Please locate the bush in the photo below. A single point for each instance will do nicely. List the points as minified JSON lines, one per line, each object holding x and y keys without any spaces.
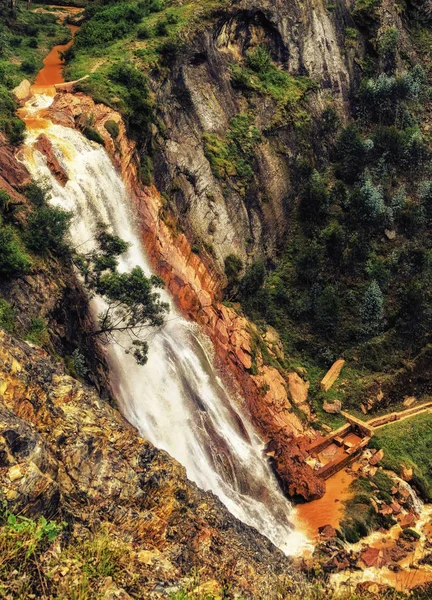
{"x":253,"y":279}
{"x":146,"y":170}
{"x":37,"y":332}
{"x":47,"y":227}
{"x":112,"y":128}
{"x":7,"y":316}
{"x":93,"y":135}
{"x":259,"y":59}
{"x":233,"y":268}
{"x":36,"y":193}
{"x":29,"y":66}
{"x":13,"y":260}
{"x":161,"y":28}
{"x":143,"y":32}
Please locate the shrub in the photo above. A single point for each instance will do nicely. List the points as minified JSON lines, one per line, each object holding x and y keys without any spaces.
{"x":146,"y":170}
{"x":13,"y":259}
{"x":7,"y":316}
{"x":112,"y":128}
{"x":33,"y":43}
{"x":233,"y":268}
{"x":372,"y":310}
{"x":143,"y":32}
{"x":259,"y":59}
{"x":161,"y":28}
{"x":36,"y":193}
{"x":253,"y":279}
{"x":47,"y":227}
{"x":37,"y":332}
{"x":29,"y":66}
{"x":93,"y":135}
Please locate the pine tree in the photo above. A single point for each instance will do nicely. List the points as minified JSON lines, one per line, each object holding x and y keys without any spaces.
{"x":372,"y":311}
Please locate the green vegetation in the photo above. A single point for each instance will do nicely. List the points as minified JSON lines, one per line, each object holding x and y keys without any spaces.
{"x":92,"y":135}
{"x":233,"y":156}
{"x":37,"y":332}
{"x":7,"y":316}
{"x":46,"y":229}
{"x":260,"y":75}
{"x":360,"y":517}
{"x":409,"y":443}
{"x":132,"y":305}
{"x":112,"y":128}
{"x":119,"y":43}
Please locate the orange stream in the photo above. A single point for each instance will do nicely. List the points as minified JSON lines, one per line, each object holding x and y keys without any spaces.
{"x":52,"y":71}
{"x":311,"y":516}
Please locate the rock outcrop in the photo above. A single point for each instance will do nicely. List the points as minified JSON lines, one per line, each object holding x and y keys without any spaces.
{"x":66,"y":453}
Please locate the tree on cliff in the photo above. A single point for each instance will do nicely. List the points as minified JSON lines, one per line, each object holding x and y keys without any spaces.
{"x":131,"y":305}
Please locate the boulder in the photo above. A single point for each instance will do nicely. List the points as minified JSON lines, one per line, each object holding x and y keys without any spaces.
{"x":406,"y":473}
{"x":409,"y":401}
{"x":327,"y":531}
{"x":374,"y":557}
{"x":377,"y":457}
{"x":333,"y":408}
{"x":297,"y":389}
{"x":22,"y":92}
{"x":331,"y":375}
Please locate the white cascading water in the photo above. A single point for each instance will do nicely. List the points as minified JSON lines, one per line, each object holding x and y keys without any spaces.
{"x":177,"y":400}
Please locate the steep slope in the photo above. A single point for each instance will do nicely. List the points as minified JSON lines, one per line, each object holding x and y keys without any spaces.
{"x":67,"y":454}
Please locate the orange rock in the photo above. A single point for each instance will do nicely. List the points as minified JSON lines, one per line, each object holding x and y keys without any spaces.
{"x":331,"y":375}
{"x":297,"y":389}
{"x":377,"y":457}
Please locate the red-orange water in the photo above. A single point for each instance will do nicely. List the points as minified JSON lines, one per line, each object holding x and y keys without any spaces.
{"x":52,"y":71}
{"x":311,"y":516}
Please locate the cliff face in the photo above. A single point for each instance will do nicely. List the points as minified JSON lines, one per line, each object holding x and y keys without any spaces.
{"x":271,"y":393}
{"x":199,"y":97}
{"x":66,"y":453}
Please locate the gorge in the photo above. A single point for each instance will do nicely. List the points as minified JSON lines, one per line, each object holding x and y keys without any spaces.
{"x":270,"y":163}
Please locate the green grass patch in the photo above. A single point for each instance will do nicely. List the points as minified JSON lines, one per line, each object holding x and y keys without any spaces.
{"x":409,"y":443}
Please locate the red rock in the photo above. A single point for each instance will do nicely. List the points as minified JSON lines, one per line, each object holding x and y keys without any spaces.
{"x":396,"y":508}
{"x":407,"y":520}
{"x":374,"y":557}
{"x":327,"y":531}
{"x":44,"y":146}
{"x":377,"y":457}
{"x":11,"y":170}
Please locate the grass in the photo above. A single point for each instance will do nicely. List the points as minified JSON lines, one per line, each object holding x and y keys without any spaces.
{"x":409,"y":443}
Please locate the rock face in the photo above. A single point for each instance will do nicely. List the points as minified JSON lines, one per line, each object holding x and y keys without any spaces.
{"x":303,"y":39}
{"x":66,"y":453}
{"x":45,"y":147}
{"x":196,"y":285}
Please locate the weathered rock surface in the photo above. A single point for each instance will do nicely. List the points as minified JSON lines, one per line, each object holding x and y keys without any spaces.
{"x":22,"y":91}
{"x":332,"y":374}
{"x":45,"y":147}
{"x":66,"y":453}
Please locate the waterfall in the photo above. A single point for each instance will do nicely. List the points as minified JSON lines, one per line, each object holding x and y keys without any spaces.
{"x":177,"y":400}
